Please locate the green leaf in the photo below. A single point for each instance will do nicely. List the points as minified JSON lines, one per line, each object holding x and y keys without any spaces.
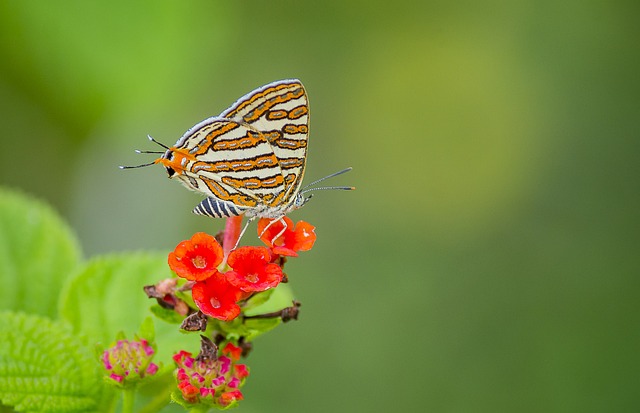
{"x":257,"y":300}
{"x":106,"y":297}
{"x":281,"y":297}
{"x":46,"y":367}
{"x":257,"y":326}
{"x":166,"y":315}
{"x":38,"y":253}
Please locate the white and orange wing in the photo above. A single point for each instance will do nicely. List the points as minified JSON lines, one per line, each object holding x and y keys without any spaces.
{"x":251,"y":157}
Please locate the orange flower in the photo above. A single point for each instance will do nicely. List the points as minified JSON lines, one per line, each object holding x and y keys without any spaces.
{"x":232,"y":351}
{"x":196,"y":259}
{"x":290,"y":240}
{"x":217,"y":298}
{"x":252,"y":269}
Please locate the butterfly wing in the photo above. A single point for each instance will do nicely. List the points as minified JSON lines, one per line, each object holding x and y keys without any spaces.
{"x":251,"y":157}
{"x":228,"y":161}
{"x":280,"y":111}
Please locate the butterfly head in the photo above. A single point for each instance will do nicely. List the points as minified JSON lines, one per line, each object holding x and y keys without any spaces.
{"x":300,"y":200}
{"x":172,"y":163}
{"x":174,"y":160}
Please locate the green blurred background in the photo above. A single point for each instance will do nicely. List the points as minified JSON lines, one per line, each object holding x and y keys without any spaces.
{"x":488,"y":259}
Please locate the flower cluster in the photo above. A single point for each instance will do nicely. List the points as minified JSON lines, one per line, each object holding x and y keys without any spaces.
{"x":129,"y":360}
{"x":211,"y":378}
{"x":221,"y":279}
{"x":248,"y":270}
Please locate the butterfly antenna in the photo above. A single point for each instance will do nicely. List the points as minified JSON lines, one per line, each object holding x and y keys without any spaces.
{"x":139,"y":151}
{"x":136,"y":166}
{"x":324,"y":188}
{"x":327,"y":177}
{"x":159,"y":143}
{"x":158,"y":152}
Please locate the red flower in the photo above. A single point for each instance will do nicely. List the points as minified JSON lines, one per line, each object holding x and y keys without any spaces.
{"x":252,"y":269}
{"x":217,"y":298}
{"x":227,"y":398}
{"x":300,"y":238}
{"x":241,"y":371}
{"x":233,"y":351}
{"x":196,"y":259}
{"x":189,"y":391}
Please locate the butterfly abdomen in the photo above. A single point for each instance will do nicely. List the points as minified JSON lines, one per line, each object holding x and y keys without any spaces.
{"x":216,"y":208}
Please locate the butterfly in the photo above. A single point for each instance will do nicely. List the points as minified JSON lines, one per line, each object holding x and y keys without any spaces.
{"x":251,"y":158}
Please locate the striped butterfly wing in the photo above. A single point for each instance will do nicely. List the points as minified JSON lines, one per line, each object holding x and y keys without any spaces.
{"x":280,"y":111}
{"x":251,"y":158}
{"x":230,"y":163}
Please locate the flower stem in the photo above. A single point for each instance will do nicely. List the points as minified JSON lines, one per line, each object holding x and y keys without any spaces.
{"x":232,"y":229}
{"x":128,"y":397}
{"x":157,"y":403}
{"x":287,"y":314}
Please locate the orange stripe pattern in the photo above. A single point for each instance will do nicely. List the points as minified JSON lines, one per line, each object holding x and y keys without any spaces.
{"x":251,"y":158}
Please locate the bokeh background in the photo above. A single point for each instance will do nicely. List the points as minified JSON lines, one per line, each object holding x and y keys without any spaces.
{"x":488,"y":260}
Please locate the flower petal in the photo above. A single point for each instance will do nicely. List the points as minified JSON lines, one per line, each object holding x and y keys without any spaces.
{"x":217,"y":298}
{"x":304,"y":236}
{"x":252,"y":270}
{"x":196,"y":259}
{"x":289,"y":239}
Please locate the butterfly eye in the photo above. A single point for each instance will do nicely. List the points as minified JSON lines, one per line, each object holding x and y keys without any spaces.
{"x":170,"y":171}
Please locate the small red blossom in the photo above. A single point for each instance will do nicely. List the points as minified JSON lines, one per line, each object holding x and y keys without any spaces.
{"x":213,"y":380}
{"x":217,"y":298}
{"x":189,"y":391}
{"x":241,"y":371}
{"x":252,"y":269}
{"x":230,"y":397}
{"x":232,"y":351}
{"x":291,"y":239}
{"x":198,"y":258}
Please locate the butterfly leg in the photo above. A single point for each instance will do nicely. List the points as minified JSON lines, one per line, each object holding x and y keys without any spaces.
{"x":243,"y":231}
{"x":273,"y":221}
